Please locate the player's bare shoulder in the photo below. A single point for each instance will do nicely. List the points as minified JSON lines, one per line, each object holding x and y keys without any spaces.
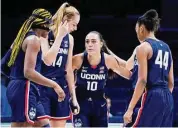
{"x":77,"y":60}
{"x":145,"y":47}
{"x":108,"y":57}
{"x":32,"y":40}
{"x":108,"y":60}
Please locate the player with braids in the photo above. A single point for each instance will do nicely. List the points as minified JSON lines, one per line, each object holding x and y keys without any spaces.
{"x":25,"y":64}
{"x":38,"y":18}
{"x":59,"y":64}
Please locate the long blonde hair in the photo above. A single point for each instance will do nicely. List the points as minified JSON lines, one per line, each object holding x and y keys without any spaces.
{"x":64,"y":10}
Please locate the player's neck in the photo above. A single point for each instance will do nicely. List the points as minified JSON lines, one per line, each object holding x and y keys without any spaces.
{"x":94,"y":59}
{"x":151,"y":35}
{"x":38,"y":32}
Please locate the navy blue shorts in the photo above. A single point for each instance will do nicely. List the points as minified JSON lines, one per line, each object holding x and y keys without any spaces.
{"x":54,"y":109}
{"x":23,"y":97}
{"x":156,"y":109}
{"x":92,"y":114}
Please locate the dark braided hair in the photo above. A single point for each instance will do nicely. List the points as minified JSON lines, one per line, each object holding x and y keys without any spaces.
{"x":38,"y":18}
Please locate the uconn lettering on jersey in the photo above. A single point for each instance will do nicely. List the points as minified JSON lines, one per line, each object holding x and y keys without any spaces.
{"x":93,"y":76}
{"x":63,"y":51}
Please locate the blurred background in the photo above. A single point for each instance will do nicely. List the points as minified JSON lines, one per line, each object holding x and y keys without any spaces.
{"x":115,"y":20}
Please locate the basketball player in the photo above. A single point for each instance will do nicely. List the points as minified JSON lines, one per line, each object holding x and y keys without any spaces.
{"x":25,"y":64}
{"x":155,"y":75}
{"x":59,"y":67}
{"x":92,"y":71}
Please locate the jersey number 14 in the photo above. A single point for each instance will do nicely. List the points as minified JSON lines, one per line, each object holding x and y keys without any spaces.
{"x":58,"y":62}
{"x":162,"y":60}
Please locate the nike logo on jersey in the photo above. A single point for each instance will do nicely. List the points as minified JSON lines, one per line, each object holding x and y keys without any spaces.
{"x":84,"y":67}
{"x":93,"y":76}
{"x":103,"y":105}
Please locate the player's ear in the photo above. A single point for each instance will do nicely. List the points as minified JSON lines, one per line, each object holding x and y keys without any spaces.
{"x":142,"y":27}
{"x":101,"y":43}
{"x":64,"y":19}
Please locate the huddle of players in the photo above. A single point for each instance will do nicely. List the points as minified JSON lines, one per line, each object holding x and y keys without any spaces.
{"x":43,"y":91}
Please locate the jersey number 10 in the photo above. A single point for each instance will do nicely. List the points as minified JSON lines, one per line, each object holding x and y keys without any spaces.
{"x":162,"y":61}
{"x":92,"y":85}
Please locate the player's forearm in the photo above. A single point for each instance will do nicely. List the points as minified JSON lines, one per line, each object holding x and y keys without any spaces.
{"x":130,"y":64}
{"x":125,"y":73}
{"x":50,"y":56}
{"x":139,"y":89}
{"x":119,"y":60}
{"x":70,"y":81}
{"x":36,"y":77}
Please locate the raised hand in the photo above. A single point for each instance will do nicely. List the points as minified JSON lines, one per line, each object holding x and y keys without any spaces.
{"x":63,"y":29}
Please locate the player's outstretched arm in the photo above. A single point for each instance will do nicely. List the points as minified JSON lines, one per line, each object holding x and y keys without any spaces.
{"x":114,"y":65}
{"x":121,"y":61}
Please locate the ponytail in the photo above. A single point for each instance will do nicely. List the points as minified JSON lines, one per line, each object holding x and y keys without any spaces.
{"x":57,"y":18}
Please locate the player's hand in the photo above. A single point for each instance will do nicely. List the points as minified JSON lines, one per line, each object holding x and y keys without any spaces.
{"x":77,"y":110}
{"x":63,"y":29}
{"x":74,"y":106}
{"x":128,"y":116}
{"x":60,"y":92}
